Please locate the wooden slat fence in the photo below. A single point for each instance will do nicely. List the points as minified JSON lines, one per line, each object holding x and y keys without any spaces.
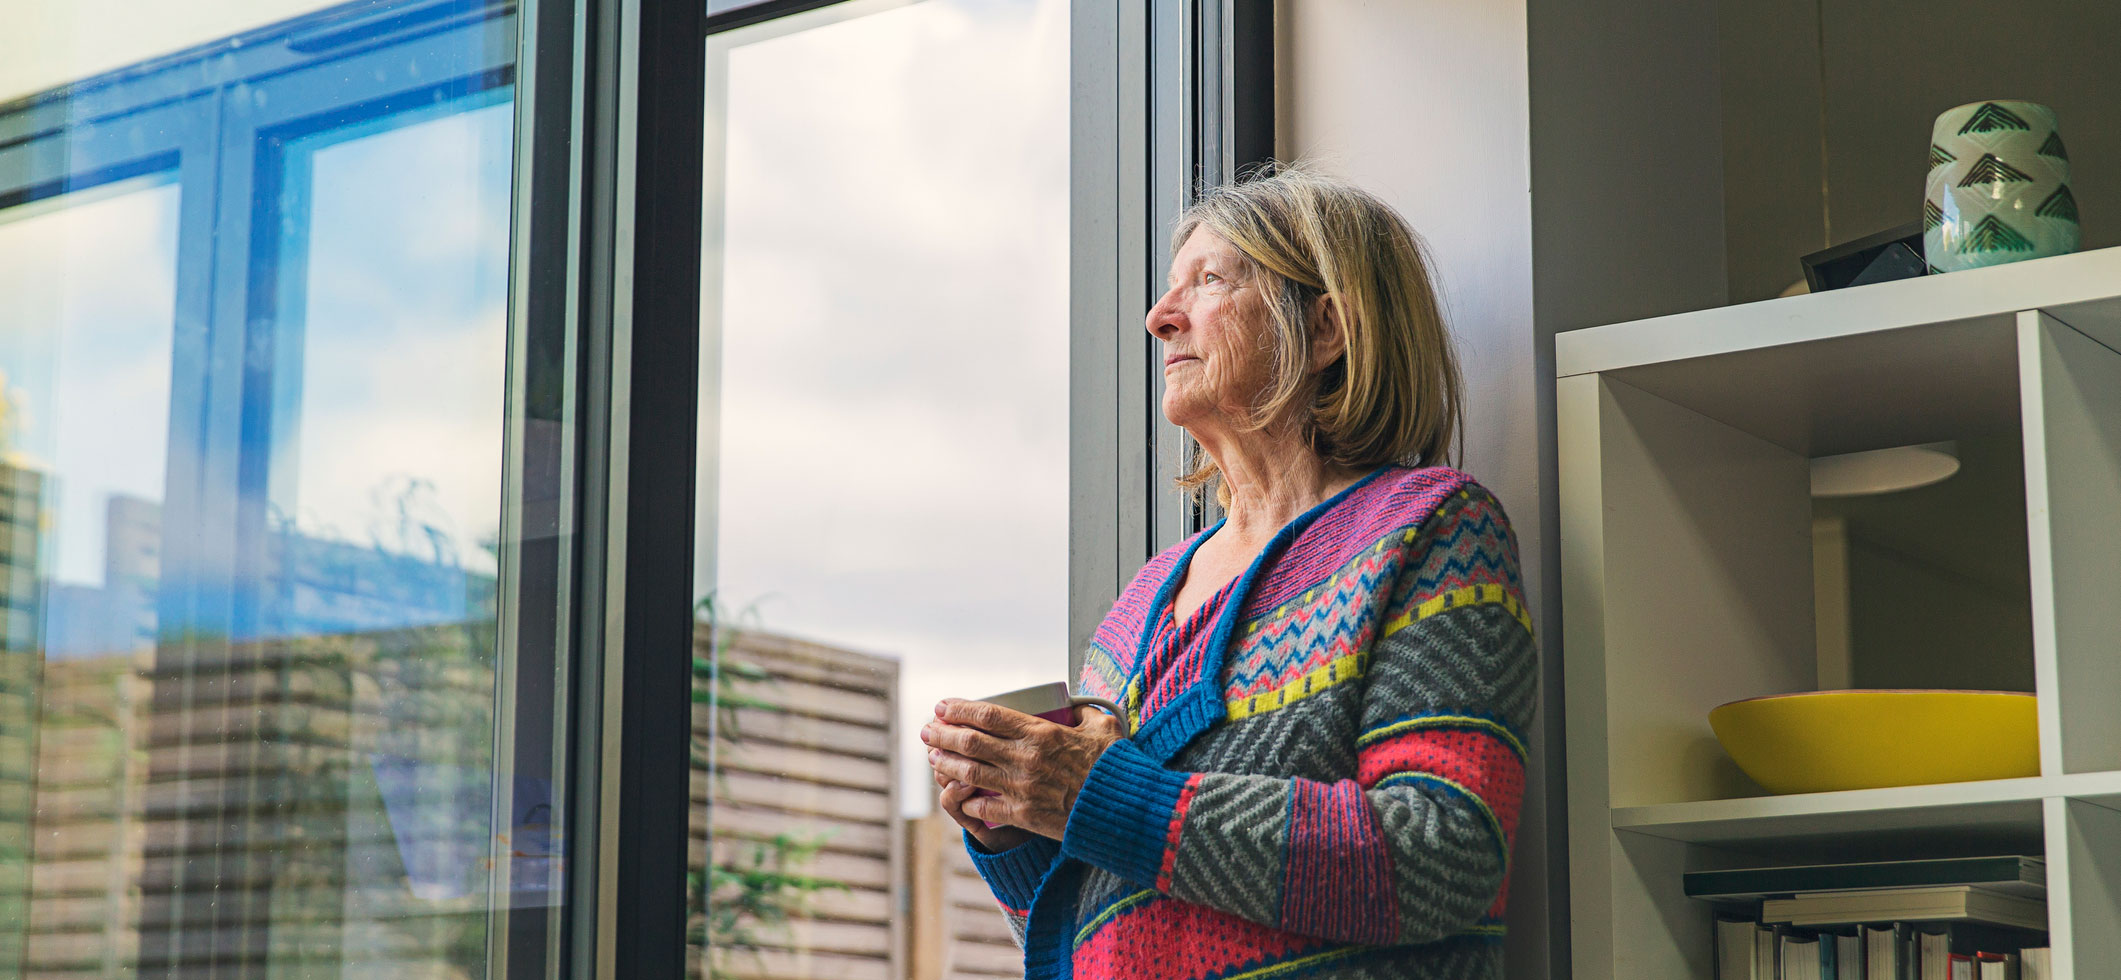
{"x":804,"y":761}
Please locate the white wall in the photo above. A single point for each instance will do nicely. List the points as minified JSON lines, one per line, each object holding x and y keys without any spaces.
{"x":1424,"y":103}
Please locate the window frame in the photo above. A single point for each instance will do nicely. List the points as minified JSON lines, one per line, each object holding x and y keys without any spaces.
{"x":1171,"y":96}
{"x":610,"y":123}
{"x":595,"y":609}
{"x":200,"y":114}
{"x":759,"y":12}
{"x":1168,"y":96}
{"x":47,"y":159}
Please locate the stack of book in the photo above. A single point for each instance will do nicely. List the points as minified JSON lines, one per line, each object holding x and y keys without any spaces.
{"x":1944,"y":919}
{"x":1750,"y":950}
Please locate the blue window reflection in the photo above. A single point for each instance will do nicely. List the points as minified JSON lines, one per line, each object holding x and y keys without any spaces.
{"x":90,"y":280}
{"x":253,"y":349}
{"x":383,"y":494}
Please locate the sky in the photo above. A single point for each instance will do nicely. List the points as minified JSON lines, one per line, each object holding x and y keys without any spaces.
{"x":893,"y":384}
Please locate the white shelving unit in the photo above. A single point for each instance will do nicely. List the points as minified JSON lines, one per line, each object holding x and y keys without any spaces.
{"x":1687,"y":582}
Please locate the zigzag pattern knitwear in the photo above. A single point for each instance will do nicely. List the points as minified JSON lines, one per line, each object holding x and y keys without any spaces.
{"x":1326,"y":760}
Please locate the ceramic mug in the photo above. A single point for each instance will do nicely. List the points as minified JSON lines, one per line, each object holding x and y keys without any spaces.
{"x":1051,"y":702}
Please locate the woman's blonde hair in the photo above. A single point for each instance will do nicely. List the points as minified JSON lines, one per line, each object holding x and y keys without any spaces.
{"x":1393,"y":396}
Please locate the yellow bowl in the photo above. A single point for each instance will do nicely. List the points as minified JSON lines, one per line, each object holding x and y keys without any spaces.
{"x":1818,"y":741}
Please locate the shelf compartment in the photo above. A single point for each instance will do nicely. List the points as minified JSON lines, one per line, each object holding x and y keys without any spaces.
{"x":1687,"y":547}
{"x":1689,"y":579}
{"x":1657,"y":931}
{"x":1864,"y":390}
{"x":1649,"y":849}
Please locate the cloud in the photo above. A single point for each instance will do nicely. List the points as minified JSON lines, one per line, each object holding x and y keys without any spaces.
{"x":402,"y":330}
{"x":87,"y":303}
{"x":427,"y":407}
{"x":893,"y":345}
{"x":400,"y":336}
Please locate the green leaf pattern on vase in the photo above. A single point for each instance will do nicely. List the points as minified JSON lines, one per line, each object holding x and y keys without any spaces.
{"x":1998,"y":187}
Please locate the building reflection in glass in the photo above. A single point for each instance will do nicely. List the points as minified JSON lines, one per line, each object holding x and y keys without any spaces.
{"x":249,"y":498}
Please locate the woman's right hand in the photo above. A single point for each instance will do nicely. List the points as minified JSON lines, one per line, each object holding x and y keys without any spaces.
{"x":996,"y":839}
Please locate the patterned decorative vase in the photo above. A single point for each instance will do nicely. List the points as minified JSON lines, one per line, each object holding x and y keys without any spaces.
{"x":1998,"y":188}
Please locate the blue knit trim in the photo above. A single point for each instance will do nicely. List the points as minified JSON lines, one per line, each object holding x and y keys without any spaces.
{"x":1047,"y":952}
{"x":1200,"y":705}
{"x":1050,"y":928}
{"x":1193,"y":711}
{"x":1123,"y":813}
{"x":1014,"y":874}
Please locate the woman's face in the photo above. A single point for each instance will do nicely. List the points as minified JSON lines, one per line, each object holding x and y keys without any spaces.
{"x":1213,"y":324}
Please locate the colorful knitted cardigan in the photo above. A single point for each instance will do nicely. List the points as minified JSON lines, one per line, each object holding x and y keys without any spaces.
{"x":1326,"y":761}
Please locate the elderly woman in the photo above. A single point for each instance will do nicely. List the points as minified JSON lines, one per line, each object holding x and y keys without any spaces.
{"x":1327,"y":692}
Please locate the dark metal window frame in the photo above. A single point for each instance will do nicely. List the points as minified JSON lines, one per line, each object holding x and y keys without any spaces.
{"x":1171,"y":96}
{"x":761,"y":12}
{"x":607,"y":262}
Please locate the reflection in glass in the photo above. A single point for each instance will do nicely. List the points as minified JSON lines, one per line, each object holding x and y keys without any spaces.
{"x":253,"y":341}
{"x":365,"y":621}
{"x":397,"y":305}
{"x":85,"y":342}
{"x":883,"y":467}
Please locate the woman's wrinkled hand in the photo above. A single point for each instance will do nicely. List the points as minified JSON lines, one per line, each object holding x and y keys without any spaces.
{"x":995,"y":839}
{"x":1034,"y":767}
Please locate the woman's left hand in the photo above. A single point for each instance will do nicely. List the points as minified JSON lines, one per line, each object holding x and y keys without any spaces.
{"x":1033,"y":765}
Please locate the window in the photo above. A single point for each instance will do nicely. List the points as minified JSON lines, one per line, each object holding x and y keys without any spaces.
{"x":352,"y":362}
{"x":90,"y":278}
{"x":253,"y":324}
{"x":884,"y":463}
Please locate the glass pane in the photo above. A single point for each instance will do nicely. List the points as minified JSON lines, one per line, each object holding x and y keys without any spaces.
{"x":253,"y":358}
{"x":392,"y":339}
{"x":85,"y":343}
{"x":375,"y":584}
{"x":884,"y":482}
